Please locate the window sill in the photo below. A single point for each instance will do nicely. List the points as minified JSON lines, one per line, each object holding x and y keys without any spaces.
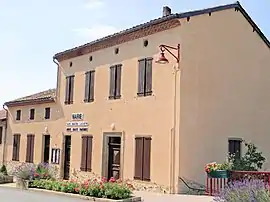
{"x":142,"y":180}
{"x":15,"y":160}
{"x":88,"y":100}
{"x":68,"y":102}
{"x":144,"y":94}
{"x":115,"y":97}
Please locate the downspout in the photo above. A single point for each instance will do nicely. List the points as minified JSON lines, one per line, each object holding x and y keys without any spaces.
{"x":5,"y":135}
{"x":57,"y":79}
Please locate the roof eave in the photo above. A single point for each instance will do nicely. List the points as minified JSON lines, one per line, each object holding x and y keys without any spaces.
{"x":29,"y":102}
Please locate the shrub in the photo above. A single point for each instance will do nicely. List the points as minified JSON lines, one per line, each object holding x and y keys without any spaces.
{"x":246,"y":190}
{"x":43,"y":171}
{"x":25,"y":171}
{"x":96,"y":188}
{"x":3,"y":170}
{"x":252,"y":160}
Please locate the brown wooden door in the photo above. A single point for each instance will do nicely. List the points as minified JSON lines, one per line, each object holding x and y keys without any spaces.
{"x":46,"y":154}
{"x":114,"y":157}
{"x":67,"y":157}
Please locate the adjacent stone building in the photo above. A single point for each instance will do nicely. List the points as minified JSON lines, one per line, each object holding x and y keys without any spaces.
{"x":3,"y":125}
{"x":117,"y":113}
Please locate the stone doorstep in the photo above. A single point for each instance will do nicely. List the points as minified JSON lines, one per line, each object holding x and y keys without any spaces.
{"x":133,"y":199}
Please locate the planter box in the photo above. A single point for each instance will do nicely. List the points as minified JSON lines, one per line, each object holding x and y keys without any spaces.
{"x":133,"y":199}
{"x":218,"y":174}
{"x":6,"y":179}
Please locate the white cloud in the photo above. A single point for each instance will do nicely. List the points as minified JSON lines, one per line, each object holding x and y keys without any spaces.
{"x":94,"y":4}
{"x":96,"y":32}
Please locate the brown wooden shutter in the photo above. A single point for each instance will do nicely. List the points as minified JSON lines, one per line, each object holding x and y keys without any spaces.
{"x":83,"y":154}
{"x":148,"y":87}
{"x":87,"y":87}
{"x":89,"y":153}
{"x":92,"y":86}
{"x":67,"y":90}
{"x":71,"y":88}
{"x":138,"y":158}
{"x":1,"y":134}
{"x":16,"y":147}
{"x":118,"y":81}
{"x":146,"y":158}
{"x":28,"y":149}
{"x":141,"y":77}
{"x":112,"y":82}
{"x":32,"y":147}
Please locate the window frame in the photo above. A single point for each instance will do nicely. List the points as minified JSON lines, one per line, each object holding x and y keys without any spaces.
{"x":115,"y":82}
{"x":234,"y":141}
{"x":47,"y":113}
{"x":89,"y":94}
{"x":18,"y":115}
{"x":32,"y":114}
{"x":145,"y":77}
{"x":16,"y":148}
{"x":86,"y":161}
{"x":69,"y":91}
{"x":30,"y":148}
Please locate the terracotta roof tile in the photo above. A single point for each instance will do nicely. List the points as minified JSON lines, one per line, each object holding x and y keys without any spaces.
{"x":47,"y":95}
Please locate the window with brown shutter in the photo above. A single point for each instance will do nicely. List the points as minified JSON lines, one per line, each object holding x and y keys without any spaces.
{"x":1,"y":134}
{"x":115,"y":81}
{"x":89,"y":86}
{"x":69,"y":89}
{"x":235,"y":147}
{"x":142,"y":158}
{"x":16,"y":147}
{"x":47,"y":113}
{"x":30,"y":148}
{"x":86,"y":155}
{"x":18,"y":115}
{"x":32,"y":114}
{"x":145,"y":77}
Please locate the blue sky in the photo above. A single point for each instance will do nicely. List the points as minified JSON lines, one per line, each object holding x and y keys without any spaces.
{"x":32,"y":31}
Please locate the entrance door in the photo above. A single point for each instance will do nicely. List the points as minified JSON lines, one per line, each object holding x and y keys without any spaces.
{"x":46,"y":146}
{"x":67,"y":157}
{"x":114,"y":157}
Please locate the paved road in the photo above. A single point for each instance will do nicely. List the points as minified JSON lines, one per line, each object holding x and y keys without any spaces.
{"x":14,"y":195}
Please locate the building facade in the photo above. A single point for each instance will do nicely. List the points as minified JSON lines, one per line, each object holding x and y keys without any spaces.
{"x":3,"y":125}
{"x":116,"y":113}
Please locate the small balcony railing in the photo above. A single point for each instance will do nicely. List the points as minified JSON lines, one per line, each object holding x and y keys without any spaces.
{"x":216,"y":185}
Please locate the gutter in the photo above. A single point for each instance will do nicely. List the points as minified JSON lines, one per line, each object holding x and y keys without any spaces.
{"x":5,"y":135}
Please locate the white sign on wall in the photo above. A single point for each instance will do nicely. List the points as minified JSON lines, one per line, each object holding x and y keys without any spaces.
{"x":77,"y":124}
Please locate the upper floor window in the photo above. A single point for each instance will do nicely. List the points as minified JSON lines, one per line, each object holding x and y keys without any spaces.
{"x":145,"y":77}
{"x":89,"y":86}
{"x":32,"y":114}
{"x":47,"y":113}
{"x":115,"y":82}
{"x":69,"y":89}
{"x":235,"y":147}
{"x":18,"y":115}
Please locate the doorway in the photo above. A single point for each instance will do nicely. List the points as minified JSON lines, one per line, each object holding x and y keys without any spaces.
{"x":67,"y":150}
{"x":46,"y":150}
{"x":114,"y":157}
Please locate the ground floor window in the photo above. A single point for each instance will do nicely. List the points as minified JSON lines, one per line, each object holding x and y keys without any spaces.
{"x":235,"y":147}
{"x":30,"y":148}
{"x":86,"y":155}
{"x":142,"y":158}
{"x":16,"y":147}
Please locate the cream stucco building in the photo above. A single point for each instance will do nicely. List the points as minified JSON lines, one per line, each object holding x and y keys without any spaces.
{"x":115,"y":112}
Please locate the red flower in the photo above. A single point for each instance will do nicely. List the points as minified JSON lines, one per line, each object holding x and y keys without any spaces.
{"x":36,"y":174}
{"x":101,"y":187}
{"x":104,"y":179}
{"x":112,"y":180}
{"x":77,"y":190}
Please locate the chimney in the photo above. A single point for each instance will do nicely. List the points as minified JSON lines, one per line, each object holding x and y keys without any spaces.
{"x":166,"y":11}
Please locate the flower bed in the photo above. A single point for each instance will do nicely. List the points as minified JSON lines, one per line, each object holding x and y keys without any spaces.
{"x":111,"y":189}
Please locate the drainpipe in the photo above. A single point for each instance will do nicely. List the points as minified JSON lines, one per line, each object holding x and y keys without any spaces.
{"x":5,"y":135}
{"x":57,"y":79}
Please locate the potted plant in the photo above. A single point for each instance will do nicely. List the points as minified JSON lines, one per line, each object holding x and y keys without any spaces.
{"x":215,"y":170}
{"x":23,"y":174}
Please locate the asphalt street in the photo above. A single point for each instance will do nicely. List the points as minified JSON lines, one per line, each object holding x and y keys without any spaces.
{"x":15,"y":195}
